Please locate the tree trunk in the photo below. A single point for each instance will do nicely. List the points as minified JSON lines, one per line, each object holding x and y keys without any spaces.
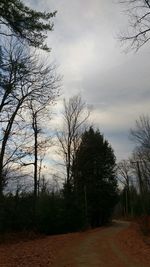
{"x":4,"y":143}
{"x":35,"y":157}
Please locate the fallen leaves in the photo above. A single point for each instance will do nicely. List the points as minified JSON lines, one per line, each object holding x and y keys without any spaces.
{"x":135,"y":243}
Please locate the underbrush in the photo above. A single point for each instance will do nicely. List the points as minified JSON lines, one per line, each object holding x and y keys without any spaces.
{"x":15,"y":237}
{"x":144,"y":223}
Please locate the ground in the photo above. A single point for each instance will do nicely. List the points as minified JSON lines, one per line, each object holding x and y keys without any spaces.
{"x":118,"y":245}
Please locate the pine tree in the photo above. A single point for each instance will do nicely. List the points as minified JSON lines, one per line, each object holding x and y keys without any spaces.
{"x":17,"y":19}
{"x":94,"y":177}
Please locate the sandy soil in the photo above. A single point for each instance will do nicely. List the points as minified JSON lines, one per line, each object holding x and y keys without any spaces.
{"x":119,"y":245}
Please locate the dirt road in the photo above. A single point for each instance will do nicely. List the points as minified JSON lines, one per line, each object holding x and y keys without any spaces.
{"x":103,"y":247}
{"x":98,"y":248}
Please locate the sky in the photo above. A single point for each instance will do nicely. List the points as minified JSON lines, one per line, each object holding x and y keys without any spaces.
{"x":92,"y":62}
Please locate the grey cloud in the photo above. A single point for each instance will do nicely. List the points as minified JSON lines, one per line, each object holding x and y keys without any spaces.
{"x":92,"y":62}
{"x":129,"y":82}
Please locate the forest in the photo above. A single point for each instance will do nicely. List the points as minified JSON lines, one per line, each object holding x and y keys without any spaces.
{"x":93,"y":187}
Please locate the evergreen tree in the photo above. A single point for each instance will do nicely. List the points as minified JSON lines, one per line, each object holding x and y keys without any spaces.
{"x":94,"y":178}
{"x":25,"y":23}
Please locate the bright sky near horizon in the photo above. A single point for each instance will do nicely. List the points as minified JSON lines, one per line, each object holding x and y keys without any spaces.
{"x":85,"y":47}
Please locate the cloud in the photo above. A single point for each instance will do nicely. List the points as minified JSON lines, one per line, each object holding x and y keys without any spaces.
{"x":91,"y":61}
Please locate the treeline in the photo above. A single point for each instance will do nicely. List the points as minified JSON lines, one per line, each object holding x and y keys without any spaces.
{"x":86,"y":200}
{"x":28,"y":89}
{"x":134,"y":173}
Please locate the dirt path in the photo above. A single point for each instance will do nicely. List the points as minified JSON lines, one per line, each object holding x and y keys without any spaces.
{"x":102,"y":247}
{"x":98,"y":248}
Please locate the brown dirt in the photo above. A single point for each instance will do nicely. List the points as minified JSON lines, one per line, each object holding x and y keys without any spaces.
{"x":135,"y":243}
{"x":114,"y":246}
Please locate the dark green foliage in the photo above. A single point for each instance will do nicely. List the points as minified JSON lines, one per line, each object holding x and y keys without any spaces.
{"x":87,"y":199}
{"x":16,"y":213}
{"x":19,"y":213}
{"x":25,"y":23}
{"x":137,"y":205}
{"x":50,"y":214}
{"x":94,"y":177}
{"x":74,"y":216}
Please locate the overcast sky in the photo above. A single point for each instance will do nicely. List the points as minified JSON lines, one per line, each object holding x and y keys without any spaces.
{"x":85,"y":47}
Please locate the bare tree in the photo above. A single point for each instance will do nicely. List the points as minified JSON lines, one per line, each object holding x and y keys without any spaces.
{"x":74,"y":117}
{"x":24,"y":79}
{"x":124,"y":171}
{"x":141,"y":160}
{"x":138,"y":32}
{"x":141,"y":133}
{"x":41,"y":140}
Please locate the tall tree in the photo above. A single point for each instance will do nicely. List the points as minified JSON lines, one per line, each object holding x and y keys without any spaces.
{"x":124,"y":171}
{"x":23,"y":79}
{"x":38,"y":113}
{"x":17,"y":19}
{"x":140,"y":134}
{"x":94,"y":177}
{"x":75,"y":115}
{"x":138,"y":32}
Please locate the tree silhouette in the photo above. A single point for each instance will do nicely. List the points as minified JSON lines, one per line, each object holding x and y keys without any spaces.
{"x":94,"y":177}
{"x":17,"y":19}
{"x":138,"y":32}
{"x":23,"y":78}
